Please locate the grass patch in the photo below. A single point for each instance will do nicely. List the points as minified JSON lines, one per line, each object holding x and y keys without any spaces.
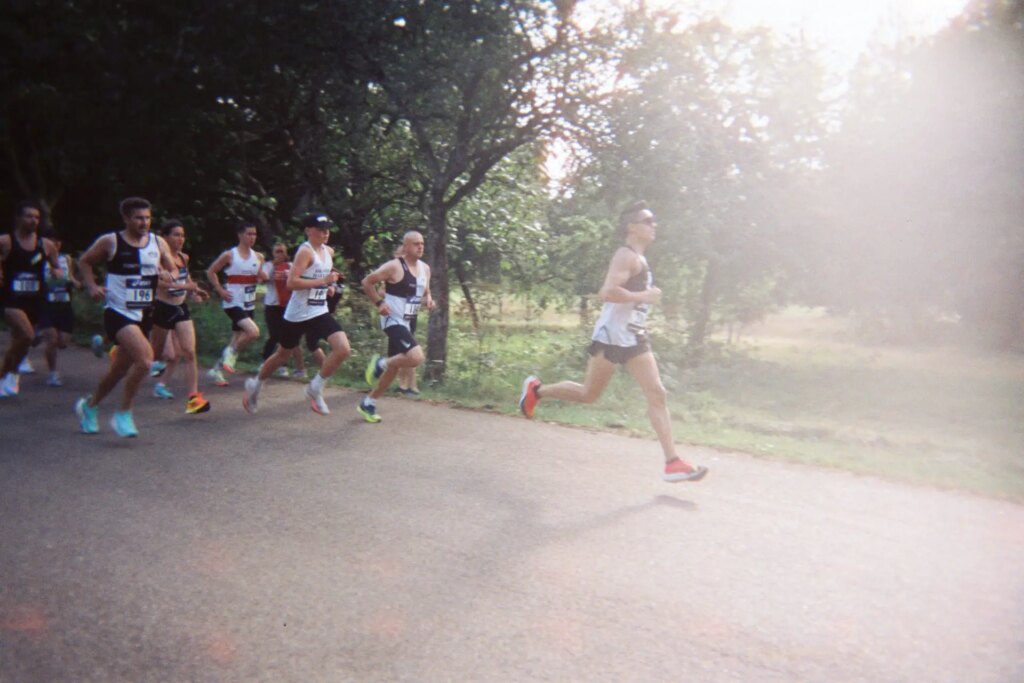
{"x":939,"y":417}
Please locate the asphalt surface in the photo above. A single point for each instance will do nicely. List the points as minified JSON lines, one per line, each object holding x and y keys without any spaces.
{"x":449,"y":545}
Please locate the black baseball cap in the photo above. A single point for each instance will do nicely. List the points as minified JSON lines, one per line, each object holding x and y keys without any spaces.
{"x":317,"y":220}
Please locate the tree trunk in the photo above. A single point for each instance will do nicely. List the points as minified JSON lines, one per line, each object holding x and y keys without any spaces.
{"x":437,"y":257}
{"x":708,"y":292}
{"x":460,"y":273}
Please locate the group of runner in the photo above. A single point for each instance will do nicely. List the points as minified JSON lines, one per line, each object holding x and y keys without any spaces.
{"x":146,"y":315}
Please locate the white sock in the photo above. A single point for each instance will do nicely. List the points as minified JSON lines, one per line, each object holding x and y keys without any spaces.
{"x":369,"y":401}
{"x":317,"y":383}
{"x":382,"y":363}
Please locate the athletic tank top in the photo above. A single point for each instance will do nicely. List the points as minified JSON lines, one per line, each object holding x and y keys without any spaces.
{"x":23,"y":272}
{"x":174,"y":296}
{"x":625,"y":324}
{"x":242,"y":279}
{"x":278,"y":293}
{"x":306,"y":304}
{"x":131,"y":277}
{"x":58,"y":290}
{"x":404,"y":297}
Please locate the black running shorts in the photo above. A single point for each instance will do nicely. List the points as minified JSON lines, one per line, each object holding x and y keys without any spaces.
{"x":113,"y":322}
{"x":320,"y":327}
{"x":619,"y":355}
{"x":400,"y":339}
{"x":167,"y":315}
{"x":237,"y":315}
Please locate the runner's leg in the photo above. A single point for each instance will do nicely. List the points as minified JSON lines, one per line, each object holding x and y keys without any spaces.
{"x":410,"y":359}
{"x":22,"y":332}
{"x":599,"y":373}
{"x":185,"y":338}
{"x":644,"y":370}
{"x":137,"y":351}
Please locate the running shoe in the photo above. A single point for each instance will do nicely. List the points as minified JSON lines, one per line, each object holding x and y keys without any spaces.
{"x":529,"y":399}
{"x":369,"y":412}
{"x":97,"y":345}
{"x":88,"y":416}
{"x":11,"y":384}
{"x":25,"y":367}
{"x":316,"y":401}
{"x":282,"y":372}
{"x":217,"y":377}
{"x":124,"y":424}
{"x":407,"y":391}
{"x":228,"y":360}
{"x":54,"y":380}
{"x":252,"y":395}
{"x":678,"y":469}
{"x":157,"y":369}
{"x":196,"y":404}
{"x":161,"y":391}
{"x":298,"y":374}
{"x":373,"y":370}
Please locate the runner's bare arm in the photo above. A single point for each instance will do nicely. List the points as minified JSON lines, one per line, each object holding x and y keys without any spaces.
{"x":303,"y":260}
{"x":167,"y":270}
{"x":428,"y":299}
{"x":75,"y":282}
{"x":50,"y":249}
{"x":222,"y":262}
{"x":624,"y":265}
{"x":100,"y":251}
{"x":386,"y":273}
{"x":261,"y":275}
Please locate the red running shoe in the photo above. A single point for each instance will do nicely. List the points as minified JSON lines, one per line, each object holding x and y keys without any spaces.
{"x":678,"y":469}
{"x":529,"y":400}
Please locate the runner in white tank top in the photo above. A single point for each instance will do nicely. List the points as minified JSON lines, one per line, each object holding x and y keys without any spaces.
{"x":620,"y":337}
{"x":312,"y":302}
{"x":311,"y":274}
{"x":406,"y":287}
{"x":243,"y":267}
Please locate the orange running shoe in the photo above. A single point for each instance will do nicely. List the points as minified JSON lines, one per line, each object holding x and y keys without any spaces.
{"x":529,"y":400}
{"x":196,"y":404}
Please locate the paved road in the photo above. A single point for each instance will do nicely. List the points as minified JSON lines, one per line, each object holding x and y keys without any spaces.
{"x":448,"y":545}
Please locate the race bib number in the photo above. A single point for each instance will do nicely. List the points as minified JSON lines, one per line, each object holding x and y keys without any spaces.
{"x":412,"y":307}
{"x":249,"y":297}
{"x":25,"y":284}
{"x":59,"y":296}
{"x":317,"y":296}
{"x":138,"y":293}
{"x":638,"y":319}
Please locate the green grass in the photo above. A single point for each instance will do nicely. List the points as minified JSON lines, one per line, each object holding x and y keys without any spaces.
{"x":798,"y":391}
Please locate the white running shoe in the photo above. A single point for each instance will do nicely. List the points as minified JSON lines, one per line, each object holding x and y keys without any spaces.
{"x":252,"y":395}
{"x":316,"y":401}
{"x":10,"y":385}
{"x":25,"y":368}
{"x":54,"y":380}
{"x":217,"y":376}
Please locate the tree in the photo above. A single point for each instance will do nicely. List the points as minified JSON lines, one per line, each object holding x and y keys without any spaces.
{"x":473,"y":82}
{"x":708,"y":124}
{"x":925,"y":177}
